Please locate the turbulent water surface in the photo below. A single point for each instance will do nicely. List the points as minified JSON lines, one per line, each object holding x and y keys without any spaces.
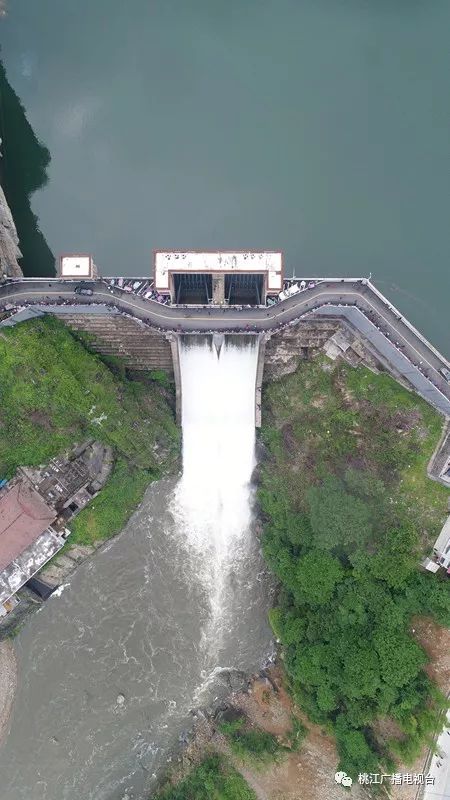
{"x":160,"y":615}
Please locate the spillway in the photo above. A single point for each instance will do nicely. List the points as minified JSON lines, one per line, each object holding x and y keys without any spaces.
{"x":212,"y":502}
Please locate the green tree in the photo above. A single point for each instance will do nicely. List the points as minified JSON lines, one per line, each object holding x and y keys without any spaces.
{"x":361,"y":672}
{"x":316,"y":577}
{"x":400,"y":657}
{"x":354,"y":750}
{"x":396,"y":559}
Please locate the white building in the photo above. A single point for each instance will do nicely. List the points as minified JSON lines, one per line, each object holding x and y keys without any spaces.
{"x":442,"y":545}
{"x":76,"y":266}
{"x":219,"y":277}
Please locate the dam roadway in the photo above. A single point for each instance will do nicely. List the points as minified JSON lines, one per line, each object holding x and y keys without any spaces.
{"x":356,"y":300}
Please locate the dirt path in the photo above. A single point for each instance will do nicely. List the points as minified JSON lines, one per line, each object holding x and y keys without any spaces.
{"x":8,"y":685}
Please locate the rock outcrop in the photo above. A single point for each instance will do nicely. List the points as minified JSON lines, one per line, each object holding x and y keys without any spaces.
{"x":9,"y":242}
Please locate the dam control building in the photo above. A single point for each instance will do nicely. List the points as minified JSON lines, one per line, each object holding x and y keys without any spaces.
{"x":234,"y":278}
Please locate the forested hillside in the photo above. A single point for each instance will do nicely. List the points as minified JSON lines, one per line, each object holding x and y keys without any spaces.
{"x":348,"y":511}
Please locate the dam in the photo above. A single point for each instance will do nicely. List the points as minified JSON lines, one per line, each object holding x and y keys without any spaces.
{"x":141,"y":321}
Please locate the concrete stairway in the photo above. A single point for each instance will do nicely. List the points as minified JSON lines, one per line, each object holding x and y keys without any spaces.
{"x":138,"y":346}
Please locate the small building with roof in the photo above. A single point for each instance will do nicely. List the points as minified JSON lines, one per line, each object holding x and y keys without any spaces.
{"x":35,"y":507}
{"x":76,"y":266}
{"x":27,"y":538}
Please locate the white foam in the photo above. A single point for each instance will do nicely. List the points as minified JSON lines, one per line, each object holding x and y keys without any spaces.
{"x":59,"y":590}
{"x":212,"y":502}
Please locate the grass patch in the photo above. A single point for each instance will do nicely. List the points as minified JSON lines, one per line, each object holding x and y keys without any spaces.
{"x":296,"y":735}
{"x":107,"y":514}
{"x":54,"y":393}
{"x":327,"y":418}
{"x":213,"y":779}
{"x":258,"y":746}
{"x":160,"y":376}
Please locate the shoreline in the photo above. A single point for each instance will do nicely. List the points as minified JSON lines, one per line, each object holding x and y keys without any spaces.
{"x":8,"y":686}
{"x":263,"y":700}
{"x":56,"y":573}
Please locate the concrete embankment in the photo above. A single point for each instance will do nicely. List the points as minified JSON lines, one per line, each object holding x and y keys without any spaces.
{"x":8,"y":685}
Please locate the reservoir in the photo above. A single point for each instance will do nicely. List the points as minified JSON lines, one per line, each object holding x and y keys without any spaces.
{"x":309,"y":126}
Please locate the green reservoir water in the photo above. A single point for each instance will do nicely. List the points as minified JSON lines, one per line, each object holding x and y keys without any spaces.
{"x":320,"y":127}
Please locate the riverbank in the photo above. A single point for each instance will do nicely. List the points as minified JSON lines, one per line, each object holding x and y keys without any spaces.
{"x":297,"y":769}
{"x":307,"y":772}
{"x":8,"y":686}
{"x":351,"y":448}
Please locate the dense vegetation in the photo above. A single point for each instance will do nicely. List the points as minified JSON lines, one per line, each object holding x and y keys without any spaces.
{"x":54,"y":393}
{"x":23,"y":171}
{"x":348,"y":511}
{"x":213,"y":779}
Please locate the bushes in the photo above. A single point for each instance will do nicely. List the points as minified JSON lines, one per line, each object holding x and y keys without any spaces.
{"x":258,"y":745}
{"x":339,"y":520}
{"x":249,"y":742}
{"x":213,"y":779}
{"x":110,"y":510}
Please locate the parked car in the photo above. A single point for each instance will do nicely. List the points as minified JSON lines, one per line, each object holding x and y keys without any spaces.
{"x":445,"y":373}
{"x":83,"y":289}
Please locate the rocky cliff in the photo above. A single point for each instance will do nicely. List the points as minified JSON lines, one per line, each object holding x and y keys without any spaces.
{"x":9,"y":242}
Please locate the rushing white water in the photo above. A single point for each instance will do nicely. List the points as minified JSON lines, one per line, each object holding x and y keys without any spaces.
{"x":213,"y":499}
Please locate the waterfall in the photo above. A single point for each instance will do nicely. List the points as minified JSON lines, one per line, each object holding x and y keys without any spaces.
{"x":213,"y":500}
